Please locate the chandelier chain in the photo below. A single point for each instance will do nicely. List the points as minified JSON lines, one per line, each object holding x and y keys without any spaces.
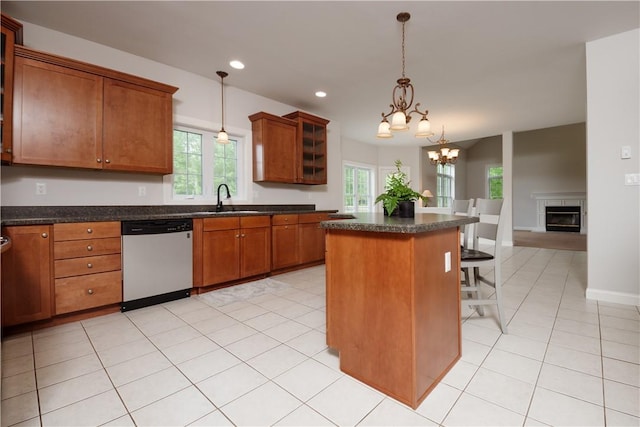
{"x":403,"y":50}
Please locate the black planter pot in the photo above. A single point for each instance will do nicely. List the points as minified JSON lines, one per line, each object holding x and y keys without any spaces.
{"x":406,"y":209}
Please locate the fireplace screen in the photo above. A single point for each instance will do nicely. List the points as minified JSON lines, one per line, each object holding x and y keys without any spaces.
{"x":563,"y":218}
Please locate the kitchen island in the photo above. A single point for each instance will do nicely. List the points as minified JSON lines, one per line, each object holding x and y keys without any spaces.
{"x":393,"y":300}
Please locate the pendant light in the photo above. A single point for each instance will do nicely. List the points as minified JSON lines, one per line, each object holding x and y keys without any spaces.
{"x":445,"y":155}
{"x":222,"y":138}
{"x":402,"y":98}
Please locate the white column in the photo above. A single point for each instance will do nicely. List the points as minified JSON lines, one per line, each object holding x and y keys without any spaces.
{"x":507,"y":187}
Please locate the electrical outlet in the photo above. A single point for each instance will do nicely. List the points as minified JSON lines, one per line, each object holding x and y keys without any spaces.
{"x":447,"y":262}
{"x":142,"y":191}
{"x":625,"y":152}
{"x":41,"y":189}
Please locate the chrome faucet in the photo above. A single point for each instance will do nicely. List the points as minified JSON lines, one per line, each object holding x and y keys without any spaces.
{"x":219,"y":204}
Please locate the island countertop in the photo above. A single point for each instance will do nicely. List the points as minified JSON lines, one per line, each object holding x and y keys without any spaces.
{"x":378,"y":222}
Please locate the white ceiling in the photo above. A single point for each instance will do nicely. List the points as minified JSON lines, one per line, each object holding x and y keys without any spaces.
{"x":480,"y":68}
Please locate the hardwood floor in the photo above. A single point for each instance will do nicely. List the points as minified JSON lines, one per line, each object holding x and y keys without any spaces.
{"x":551,"y":240}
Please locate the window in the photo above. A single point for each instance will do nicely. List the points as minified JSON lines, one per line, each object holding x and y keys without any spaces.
{"x":200,"y":165}
{"x":225,"y":169}
{"x":494,"y":182}
{"x":358,"y":188}
{"x":187,"y":163}
{"x":445,"y":185}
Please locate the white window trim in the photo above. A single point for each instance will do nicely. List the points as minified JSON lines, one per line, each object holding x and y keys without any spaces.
{"x":245,"y":154}
{"x":372,"y":168}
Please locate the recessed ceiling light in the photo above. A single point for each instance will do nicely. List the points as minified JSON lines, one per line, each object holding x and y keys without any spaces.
{"x":321,"y":94}
{"x":236,"y":64}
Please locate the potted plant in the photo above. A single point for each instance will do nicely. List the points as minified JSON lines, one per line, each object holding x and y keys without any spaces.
{"x":399,"y":198}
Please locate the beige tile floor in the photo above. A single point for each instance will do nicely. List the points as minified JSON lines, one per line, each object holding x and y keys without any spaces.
{"x":262,"y":360}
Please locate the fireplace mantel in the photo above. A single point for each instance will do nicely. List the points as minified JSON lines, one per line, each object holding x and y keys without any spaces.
{"x":559,"y":198}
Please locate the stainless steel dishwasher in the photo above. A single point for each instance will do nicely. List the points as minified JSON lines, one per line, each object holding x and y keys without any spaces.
{"x":157,"y":261}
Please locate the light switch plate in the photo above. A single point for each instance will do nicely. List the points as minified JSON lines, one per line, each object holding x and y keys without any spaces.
{"x":632,"y":179}
{"x":625,"y":152}
{"x":447,"y":262}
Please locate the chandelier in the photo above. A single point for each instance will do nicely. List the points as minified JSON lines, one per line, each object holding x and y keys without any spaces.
{"x":445,"y":155}
{"x":223,"y":138}
{"x":402,"y":101}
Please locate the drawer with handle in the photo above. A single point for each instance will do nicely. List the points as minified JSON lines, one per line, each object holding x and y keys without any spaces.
{"x":85,"y":230}
{"x":83,"y":292}
{"x":87,"y":265}
{"x":89,"y":247}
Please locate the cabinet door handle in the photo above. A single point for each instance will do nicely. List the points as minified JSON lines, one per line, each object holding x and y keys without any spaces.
{"x":89,"y":230}
{"x":99,"y":160}
{"x":89,"y":248}
{"x":44,"y":235}
{"x":107,"y":161}
{"x":89,"y":265}
{"x":237,"y":235}
{"x":242,"y":235}
{"x":90,"y":291}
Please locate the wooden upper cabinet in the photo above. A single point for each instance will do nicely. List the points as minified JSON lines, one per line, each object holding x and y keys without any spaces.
{"x":311,"y":144}
{"x":73,"y":114}
{"x":290,"y":149}
{"x":11,"y":35}
{"x":274,"y":148}
{"x":58,"y":114}
{"x":136,"y":118}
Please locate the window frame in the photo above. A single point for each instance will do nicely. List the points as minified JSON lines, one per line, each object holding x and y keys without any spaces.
{"x":209,"y":195}
{"x":372,"y":185}
{"x":443,"y":201}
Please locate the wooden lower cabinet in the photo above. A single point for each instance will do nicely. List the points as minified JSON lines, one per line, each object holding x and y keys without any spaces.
{"x":87,"y":266}
{"x":284,"y":241}
{"x":311,"y":237}
{"x":82,"y":292}
{"x":233,"y":248}
{"x":27,"y":275}
{"x":297,"y":239}
{"x":393,"y":310}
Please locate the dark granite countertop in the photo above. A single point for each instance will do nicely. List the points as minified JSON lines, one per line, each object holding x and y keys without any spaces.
{"x":32,"y":215}
{"x":377,"y":222}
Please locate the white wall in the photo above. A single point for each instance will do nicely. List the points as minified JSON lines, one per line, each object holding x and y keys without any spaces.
{"x":486,"y":152}
{"x":546,"y":161}
{"x":196,"y":103}
{"x":613,"y":98}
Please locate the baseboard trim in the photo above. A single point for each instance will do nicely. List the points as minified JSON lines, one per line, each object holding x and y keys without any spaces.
{"x":612,"y":296}
{"x":519,"y":228}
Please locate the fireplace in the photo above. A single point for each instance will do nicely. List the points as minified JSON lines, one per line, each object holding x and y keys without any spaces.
{"x":563,"y":218}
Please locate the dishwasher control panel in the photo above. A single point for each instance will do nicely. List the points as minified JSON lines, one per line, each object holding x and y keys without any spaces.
{"x":160,"y":226}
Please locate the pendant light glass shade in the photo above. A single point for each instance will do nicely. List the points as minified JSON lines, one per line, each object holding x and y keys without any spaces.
{"x":399,"y":121}
{"x":222,"y":138}
{"x":424,"y":128}
{"x":383,"y":130}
